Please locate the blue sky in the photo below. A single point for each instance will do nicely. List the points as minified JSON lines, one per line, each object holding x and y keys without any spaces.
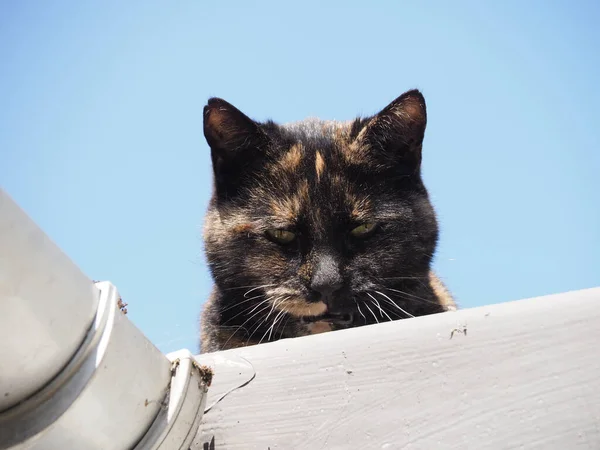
{"x":101,"y":129}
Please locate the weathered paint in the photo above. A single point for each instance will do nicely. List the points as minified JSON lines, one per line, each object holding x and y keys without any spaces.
{"x":526,"y":375}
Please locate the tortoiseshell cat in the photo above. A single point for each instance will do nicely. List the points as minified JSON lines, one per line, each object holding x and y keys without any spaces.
{"x":317,"y":225}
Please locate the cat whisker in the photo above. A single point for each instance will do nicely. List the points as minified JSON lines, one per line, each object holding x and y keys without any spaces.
{"x":253,"y":308}
{"x":264,"y":320}
{"x":276,"y":301}
{"x":382,"y":311}
{"x":394,"y":303}
{"x":242,"y":302}
{"x":374,"y":316}
{"x":283,"y":325}
{"x":258,"y":287}
{"x":405,"y":278}
{"x":266,"y":306}
{"x":378,"y":305}
{"x":272,"y":309}
{"x":260,"y":303}
{"x":408,"y":294}
{"x":247,"y":310}
{"x":249,"y":286}
{"x":359,"y":310}
{"x":233,"y":327}
{"x":245,"y":322}
{"x":270,"y":330}
{"x":254,"y":329}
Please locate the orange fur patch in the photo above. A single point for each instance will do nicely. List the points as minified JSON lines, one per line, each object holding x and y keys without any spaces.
{"x":444,"y":297}
{"x":360,"y":208}
{"x":358,"y":152}
{"x":286,"y":208}
{"x":243,"y":228}
{"x":292,"y":159}
{"x":299,"y":307}
{"x":319,"y":165}
{"x":318,"y":327}
{"x":305,"y":271}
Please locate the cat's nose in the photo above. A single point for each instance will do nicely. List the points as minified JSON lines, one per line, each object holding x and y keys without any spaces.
{"x":327,"y":279}
{"x":325,"y":291}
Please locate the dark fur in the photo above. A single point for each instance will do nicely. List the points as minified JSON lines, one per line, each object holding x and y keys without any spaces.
{"x":319,"y":180}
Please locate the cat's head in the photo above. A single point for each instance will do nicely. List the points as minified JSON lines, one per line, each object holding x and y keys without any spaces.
{"x":320,"y":219}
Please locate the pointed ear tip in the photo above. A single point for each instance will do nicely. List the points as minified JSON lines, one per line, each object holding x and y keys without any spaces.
{"x":415,"y":94}
{"x":216,"y":107}
{"x":215,"y":101}
{"x":213,"y":105}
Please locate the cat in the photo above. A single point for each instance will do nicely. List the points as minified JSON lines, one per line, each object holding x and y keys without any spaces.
{"x":317,"y":225}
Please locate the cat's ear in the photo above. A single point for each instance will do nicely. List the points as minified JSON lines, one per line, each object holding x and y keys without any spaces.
{"x":235,"y":140}
{"x":395,"y":134}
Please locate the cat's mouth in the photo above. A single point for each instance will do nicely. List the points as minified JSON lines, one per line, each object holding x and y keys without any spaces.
{"x":333,"y":318}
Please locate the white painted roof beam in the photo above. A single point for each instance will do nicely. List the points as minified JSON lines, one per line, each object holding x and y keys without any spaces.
{"x":526,"y":374}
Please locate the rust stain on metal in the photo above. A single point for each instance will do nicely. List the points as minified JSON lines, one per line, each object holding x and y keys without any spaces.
{"x":206,"y":374}
{"x":122,"y":306}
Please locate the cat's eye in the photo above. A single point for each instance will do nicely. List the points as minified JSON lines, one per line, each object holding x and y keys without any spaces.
{"x":364,"y":230}
{"x":281,"y":236}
